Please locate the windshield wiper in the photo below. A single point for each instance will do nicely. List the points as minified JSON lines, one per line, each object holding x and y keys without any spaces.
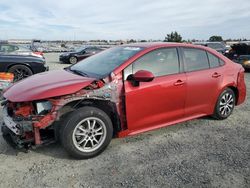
{"x":79,"y":72}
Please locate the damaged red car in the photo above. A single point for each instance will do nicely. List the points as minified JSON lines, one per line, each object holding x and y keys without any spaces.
{"x":119,"y":92}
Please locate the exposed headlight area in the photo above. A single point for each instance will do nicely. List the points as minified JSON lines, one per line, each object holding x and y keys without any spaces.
{"x":23,"y":122}
{"x":43,"y":107}
{"x":29,"y":110}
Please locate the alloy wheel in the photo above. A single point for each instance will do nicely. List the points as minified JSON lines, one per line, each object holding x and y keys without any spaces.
{"x":73,"y":60}
{"x":226,"y":104}
{"x":89,"y":134}
{"x":20,"y":74}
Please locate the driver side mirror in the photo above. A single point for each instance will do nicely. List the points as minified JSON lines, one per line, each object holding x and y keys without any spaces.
{"x":141,"y":76}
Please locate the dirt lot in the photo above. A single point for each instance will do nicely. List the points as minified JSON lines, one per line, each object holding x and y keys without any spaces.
{"x":198,"y":153}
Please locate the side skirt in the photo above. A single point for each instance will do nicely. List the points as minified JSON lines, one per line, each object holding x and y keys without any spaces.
{"x":138,"y":131}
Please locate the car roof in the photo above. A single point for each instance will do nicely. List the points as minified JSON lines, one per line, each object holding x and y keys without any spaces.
{"x":162,"y":44}
{"x":155,"y":45}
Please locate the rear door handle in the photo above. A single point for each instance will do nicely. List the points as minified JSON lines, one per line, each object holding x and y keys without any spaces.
{"x":178,"y":83}
{"x":216,"y":75}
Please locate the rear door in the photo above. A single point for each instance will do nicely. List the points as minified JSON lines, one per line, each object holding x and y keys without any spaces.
{"x":203,"y":81}
{"x":162,"y":100}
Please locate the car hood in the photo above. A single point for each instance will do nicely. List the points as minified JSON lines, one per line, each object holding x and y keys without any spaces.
{"x":46,"y":85}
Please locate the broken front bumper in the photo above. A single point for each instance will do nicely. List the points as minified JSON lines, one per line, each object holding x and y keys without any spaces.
{"x":16,"y":131}
{"x":8,"y":122}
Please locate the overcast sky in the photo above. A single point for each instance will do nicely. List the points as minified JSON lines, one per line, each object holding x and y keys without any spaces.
{"x":116,"y":19}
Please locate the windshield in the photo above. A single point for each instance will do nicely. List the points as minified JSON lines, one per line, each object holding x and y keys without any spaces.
{"x":102,"y":64}
{"x":215,"y":45}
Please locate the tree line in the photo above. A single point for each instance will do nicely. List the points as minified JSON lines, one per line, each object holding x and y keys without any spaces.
{"x":176,"y":37}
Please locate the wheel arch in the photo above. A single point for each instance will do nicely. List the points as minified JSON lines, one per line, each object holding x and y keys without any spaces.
{"x":107,"y":106}
{"x":14,"y":64}
{"x":232,"y":86}
{"x":236,"y":93}
{"x":73,"y":55}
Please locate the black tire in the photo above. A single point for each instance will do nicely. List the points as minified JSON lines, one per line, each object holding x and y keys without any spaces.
{"x":69,"y":130}
{"x":225,"y":104}
{"x":73,"y":60}
{"x":20,"y":72}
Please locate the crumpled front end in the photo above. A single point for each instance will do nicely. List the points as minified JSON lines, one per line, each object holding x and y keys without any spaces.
{"x":35,"y":123}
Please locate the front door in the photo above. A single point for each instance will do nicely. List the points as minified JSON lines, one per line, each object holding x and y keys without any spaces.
{"x":153,"y":104}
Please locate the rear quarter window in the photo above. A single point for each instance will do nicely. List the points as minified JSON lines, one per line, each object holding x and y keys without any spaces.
{"x":213,"y":60}
{"x":221,"y":62}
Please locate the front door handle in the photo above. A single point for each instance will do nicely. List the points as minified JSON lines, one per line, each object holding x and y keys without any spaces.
{"x":179,"y":83}
{"x":216,"y":75}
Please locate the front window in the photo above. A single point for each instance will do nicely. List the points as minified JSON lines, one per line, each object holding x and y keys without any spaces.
{"x":160,"y":62}
{"x":102,"y":64}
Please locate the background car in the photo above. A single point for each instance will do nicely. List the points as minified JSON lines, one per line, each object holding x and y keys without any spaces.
{"x":79,"y":54}
{"x":218,"y":46}
{"x":7,"y":48}
{"x":240,"y":53}
{"x":21,"y":66}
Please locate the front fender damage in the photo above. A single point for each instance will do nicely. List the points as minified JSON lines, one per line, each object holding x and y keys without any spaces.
{"x":33,"y":127}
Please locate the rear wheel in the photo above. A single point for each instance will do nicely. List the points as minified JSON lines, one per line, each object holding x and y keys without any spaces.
{"x":20,"y":72}
{"x":225,"y":104}
{"x":73,"y":60}
{"x":86,"y":132}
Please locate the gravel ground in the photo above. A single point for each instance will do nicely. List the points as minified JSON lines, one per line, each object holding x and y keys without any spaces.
{"x":198,"y":153}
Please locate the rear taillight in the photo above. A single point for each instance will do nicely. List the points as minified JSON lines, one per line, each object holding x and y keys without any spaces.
{"x":241,"y":86}
{"x":241,"y":76}
{"x":38,"y":53}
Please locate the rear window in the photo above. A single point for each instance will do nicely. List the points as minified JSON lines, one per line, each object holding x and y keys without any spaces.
{"x":7,"y":48}
{"x":195,"y":59}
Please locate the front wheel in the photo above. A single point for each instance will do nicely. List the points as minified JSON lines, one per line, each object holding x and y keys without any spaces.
{"x":225,"y":104}
{"x":86,"y":132}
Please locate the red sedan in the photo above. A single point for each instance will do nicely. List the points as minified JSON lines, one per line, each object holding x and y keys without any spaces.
{"x":122,"y":91}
